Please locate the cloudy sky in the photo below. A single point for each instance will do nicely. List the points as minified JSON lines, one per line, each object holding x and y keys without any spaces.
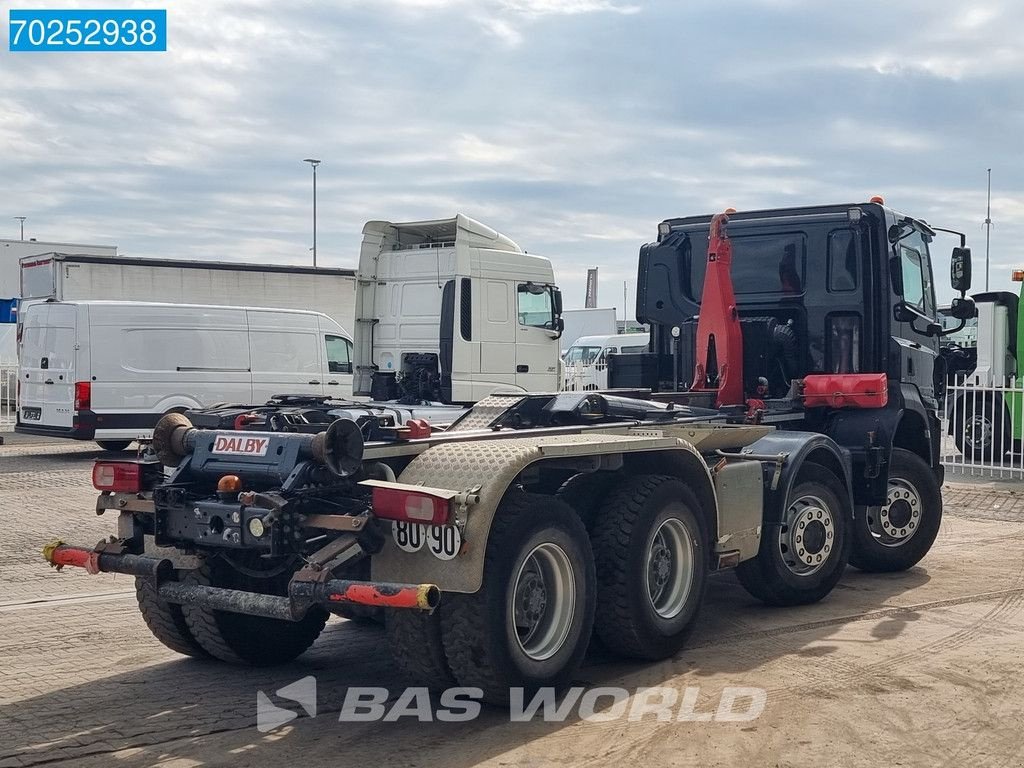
{"x":573,"y":126}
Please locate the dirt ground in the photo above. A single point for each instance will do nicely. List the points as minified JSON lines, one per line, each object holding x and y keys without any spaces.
{"x":920,"y":668}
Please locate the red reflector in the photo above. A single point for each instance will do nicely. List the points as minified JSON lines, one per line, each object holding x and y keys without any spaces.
{"x":410,"y":506}
{"x":83,"y":395}
{"x":846,"y":390}
{"x":117,"y":476}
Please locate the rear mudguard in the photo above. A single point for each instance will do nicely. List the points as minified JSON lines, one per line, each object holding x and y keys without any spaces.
{"x":794,"y":450}
{"x":493,"y":466}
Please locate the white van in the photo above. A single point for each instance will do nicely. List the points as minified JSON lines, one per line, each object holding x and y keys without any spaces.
{"x":108,"y":370}
{"x":586,"y":361}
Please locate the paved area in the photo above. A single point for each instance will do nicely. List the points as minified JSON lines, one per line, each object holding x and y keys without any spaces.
{"x":920,"y":668}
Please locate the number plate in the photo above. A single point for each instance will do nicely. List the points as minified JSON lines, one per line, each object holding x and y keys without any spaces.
{"x":31,"y":414}
{"x":442,"y":541}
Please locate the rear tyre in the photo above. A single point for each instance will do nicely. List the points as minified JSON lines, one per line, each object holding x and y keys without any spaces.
{"x":896,"y":535}
{"x":803,"y":556}
{"x":251,"y":640}
{"x":165,"y":620}
{"x":586,"y":492}
{"x":114,"y":446}
{"x":415,"y":641}
{"x":650,"y":552}
{"x":529,"y":624}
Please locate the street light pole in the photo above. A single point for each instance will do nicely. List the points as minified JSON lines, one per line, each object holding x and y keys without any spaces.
{"x":988,"y":224}
{"x":314,"y":163}
{"x":21,"y":220}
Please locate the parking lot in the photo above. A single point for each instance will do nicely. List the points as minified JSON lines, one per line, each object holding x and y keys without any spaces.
{"x":919,"y":668}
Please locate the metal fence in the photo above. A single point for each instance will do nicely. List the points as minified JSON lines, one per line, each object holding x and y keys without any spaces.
{"x":982,"y":429}
{"x":8,"y":396}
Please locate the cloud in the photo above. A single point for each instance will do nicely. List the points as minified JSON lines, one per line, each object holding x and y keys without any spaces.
{"x":574,"y":127}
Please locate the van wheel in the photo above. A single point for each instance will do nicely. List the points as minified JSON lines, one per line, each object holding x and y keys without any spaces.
{"x":650,"y":552}
{"x":253,"y":640}
{"x":165,"y":620}
{"x":803,"y":555}
{"x":896,"y":535}
{"x":114,"y":446}
{"x":529,"y":624}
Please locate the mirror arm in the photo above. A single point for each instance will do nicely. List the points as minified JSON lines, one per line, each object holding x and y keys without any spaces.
{"x":961,"y":235}
{"x":951,"y":331}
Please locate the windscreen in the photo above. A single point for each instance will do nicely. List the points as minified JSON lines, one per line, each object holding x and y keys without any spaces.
{"x":581,"y":355}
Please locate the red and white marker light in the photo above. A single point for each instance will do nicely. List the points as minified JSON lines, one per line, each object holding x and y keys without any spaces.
{"x":117,"y":476}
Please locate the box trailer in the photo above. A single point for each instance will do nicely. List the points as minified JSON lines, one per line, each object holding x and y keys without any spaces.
{"x":83,"y":277}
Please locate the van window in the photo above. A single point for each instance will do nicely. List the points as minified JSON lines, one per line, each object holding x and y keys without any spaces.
{"x":634,"y":350}
{"x":52,"y":342}
{"x":184,"y":349}
{"x":339,"y":354}
{"x":284,"y":352}
{"x":535,"y":306}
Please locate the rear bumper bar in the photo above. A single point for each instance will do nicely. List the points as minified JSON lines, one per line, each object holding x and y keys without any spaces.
{"x":302,"y":593}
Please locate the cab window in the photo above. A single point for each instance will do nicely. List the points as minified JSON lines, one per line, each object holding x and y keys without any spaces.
{"x":339,"y":354}
{"x":916,"y":269}
{"x":534,"y":306}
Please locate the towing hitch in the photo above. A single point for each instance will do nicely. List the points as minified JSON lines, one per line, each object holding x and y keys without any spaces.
{"x":303,"y":593}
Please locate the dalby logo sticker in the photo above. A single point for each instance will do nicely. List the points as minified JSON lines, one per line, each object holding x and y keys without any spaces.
{"x":241,"y":446}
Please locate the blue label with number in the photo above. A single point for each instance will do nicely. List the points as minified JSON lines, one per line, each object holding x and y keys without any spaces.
{"x":88,"y":30}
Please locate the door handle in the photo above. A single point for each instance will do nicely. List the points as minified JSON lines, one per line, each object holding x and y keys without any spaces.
{"x":522,"y":369}
{"x":314,"y":381}
{"x":332,"y":382}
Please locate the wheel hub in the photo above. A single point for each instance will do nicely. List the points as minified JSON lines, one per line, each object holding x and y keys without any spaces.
{"x":978,"y":433}
{"x":670,"y":564}
{"x":899,"y":518}
{"x":543,"y":601}
{"x":807,"y":536}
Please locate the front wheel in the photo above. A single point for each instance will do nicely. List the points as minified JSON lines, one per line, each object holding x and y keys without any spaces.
{"x":529,"y":624}
{"x":802,"y":557}
{"x":896,"y":535}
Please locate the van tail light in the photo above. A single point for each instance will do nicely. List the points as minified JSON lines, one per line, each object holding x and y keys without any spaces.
{"x":411,"y":503}
{"x":117,"y":476}
{"x":83,"y":395}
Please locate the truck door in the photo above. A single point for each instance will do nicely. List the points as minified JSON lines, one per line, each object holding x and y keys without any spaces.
{"x":285,"y":356}
{"x":47,"y":373}
{"x":917,"y":350}
{"x":536,"y":339}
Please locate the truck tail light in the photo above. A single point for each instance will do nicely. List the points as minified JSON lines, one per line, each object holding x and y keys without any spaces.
{"x":117,"y":476}
{"x":410,"y":506}
{"x":83,"y":395}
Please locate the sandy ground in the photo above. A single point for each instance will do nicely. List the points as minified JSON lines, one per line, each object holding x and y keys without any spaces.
{"x":920,"y":668}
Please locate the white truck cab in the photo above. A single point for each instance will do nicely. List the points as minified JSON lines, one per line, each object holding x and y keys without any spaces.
{"x":452,"y":311}
{"x":108,"y":370}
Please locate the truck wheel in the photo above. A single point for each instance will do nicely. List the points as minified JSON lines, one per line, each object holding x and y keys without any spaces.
{"x":114,"y":446}
{"x":802,"y":557}
{"x":529,"y":624}
{"x":253,"y":640}
{"x":650,"y":552}
{"x":415,"y":641}
{"x":977,"y":434}
{"x":896,"y":535}
{"x":586,"y":493}
{"x":165,"y":620}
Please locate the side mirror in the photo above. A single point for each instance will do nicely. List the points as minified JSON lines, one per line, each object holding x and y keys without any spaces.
{"x":556,"y":299}
{"x":960,"y":269}
{"x":963,"y":309}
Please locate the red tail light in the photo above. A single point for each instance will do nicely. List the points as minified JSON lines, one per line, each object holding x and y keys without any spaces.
{"x":83,"y":395}
{"x":411,"y":506}
{"x":117,"y":476}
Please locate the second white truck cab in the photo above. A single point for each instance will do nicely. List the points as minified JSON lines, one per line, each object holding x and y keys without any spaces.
{"x":108,"y":370}
{"x":586,"y":361}
{"x":451,"y":310}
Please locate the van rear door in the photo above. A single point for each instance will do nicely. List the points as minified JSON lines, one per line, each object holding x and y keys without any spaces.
{"x":47,"y":375}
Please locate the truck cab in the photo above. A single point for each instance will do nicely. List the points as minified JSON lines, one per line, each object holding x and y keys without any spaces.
{"x":451,"y":311}
{"x":840,"y":289}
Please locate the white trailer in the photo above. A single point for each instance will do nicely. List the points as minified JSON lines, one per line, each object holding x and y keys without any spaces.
{"x":79,"y":277}
{"x":592,"y":321}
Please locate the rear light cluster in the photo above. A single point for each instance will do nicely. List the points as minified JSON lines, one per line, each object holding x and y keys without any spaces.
{"x":117,"y":476}
{"x":411,"y":506}
{"x":83,"y":395}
